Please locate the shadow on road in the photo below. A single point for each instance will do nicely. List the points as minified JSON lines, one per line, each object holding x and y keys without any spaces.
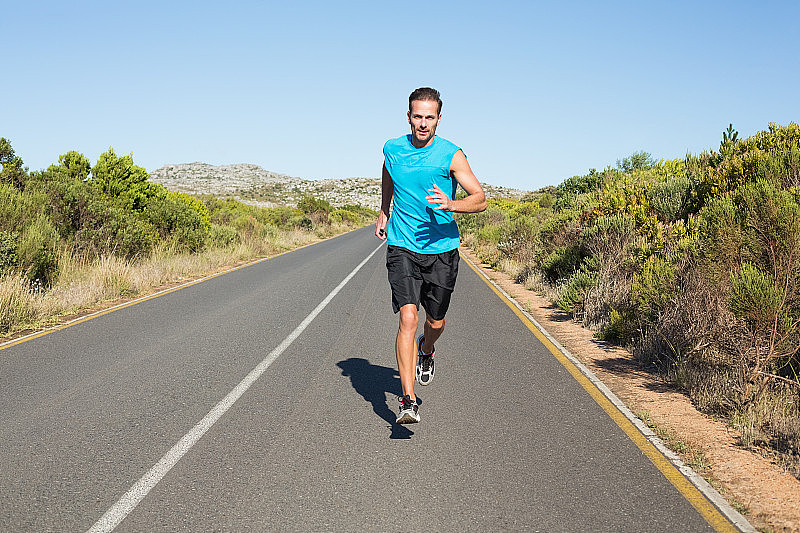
{"x":372,"y":382}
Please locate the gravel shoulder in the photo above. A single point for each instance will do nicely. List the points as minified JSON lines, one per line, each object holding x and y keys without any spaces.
{"x":765,"y":493}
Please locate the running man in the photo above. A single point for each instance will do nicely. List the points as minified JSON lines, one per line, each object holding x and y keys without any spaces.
{"x":420,"y":174}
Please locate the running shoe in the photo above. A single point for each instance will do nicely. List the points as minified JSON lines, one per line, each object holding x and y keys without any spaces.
{"x":409,"y":410}
{"x":425,"y":366}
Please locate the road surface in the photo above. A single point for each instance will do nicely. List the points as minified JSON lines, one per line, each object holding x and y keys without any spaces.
{"x":509,"y":440}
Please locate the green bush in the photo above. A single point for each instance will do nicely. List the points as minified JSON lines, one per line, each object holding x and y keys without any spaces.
{"x":8,"y":251}
{"x":180,"y":219}
{"x":581,"y":184}
{"x":38,"y":244}
{"x":721,"y":235}
{"x":286,"y":217}
{"x":653,"y":288}
{"x":518,"y":239}
{"x":222,"y":236}
{"x":343,"y":215}
{"x":364,"y":213}
{"x":576,"y":288}
{"x":76,"y":165}
{"x":693,"y":263}
{"x":561,"y":263}
{"x":636,"y":161}
{"x":608,"y":229}
{"x":620,"y":327}
{"x":490,"y":234}
{"x":771,"y":154}
{"x":781,"y":167}
{"x":114,"y":230}
{"x":310,"y":205}
{"x":670,"y":199}
{"x":12,"y":207}
{"x":756,"y":297}
{"x":560,"y":230}
{"x":546,"y":201}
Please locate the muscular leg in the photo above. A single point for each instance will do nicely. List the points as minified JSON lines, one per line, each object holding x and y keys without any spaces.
{"x":406,"y":349}
{"x":433,"y":330}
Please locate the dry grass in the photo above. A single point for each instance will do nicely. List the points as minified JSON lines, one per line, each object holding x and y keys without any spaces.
{"x":86,"y":284}
{"x":772,"y":425}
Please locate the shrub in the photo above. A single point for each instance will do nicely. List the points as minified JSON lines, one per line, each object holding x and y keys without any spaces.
{"x":519,"y":239}
{"x":12,"y":207}
{"x":343,"y":215}
{"x":560,"y":230}
{"x":561,"y":263}
{"x":36,"y":251}
{"x":310,"y":205}
{"x":575,"y":290}
{"x":607,"y":245}
{"x":670,"y":199}
{"x":119,"y":178}
{"x":114,"y":230}
{"x":8,"y":251}
{"x":222,"y":236}
{"x":653,"y":289}
{"x":180,"y":219}
{"x":546,"y":201}
{"x":721,"y":236}
{"x":608,"y":231}
{"x":636,"y":161}
{"x":771,"y":154}
{"x":620,"y":327}
{"x":581,"y":184}
{"x":754,"y":296}
{"x":490,"y":234}
{"x":286,"y":217}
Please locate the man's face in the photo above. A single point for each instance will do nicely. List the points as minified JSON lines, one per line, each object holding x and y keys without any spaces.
{"x":423,"y":117}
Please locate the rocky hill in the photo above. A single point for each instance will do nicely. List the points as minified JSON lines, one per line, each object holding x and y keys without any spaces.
{"x":253,"y":185}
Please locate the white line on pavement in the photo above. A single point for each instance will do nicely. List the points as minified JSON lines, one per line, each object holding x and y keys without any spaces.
{"x":141,"y":488}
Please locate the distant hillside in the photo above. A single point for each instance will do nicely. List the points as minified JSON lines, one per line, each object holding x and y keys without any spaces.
{"x":252,"y":184}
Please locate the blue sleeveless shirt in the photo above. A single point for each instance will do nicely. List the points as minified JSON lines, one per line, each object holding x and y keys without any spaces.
{"x":414,"y":224}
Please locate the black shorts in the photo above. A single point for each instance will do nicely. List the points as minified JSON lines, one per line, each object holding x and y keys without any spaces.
{"x":416,"y":278}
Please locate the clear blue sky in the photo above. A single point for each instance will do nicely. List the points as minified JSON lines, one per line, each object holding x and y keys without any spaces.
{"x":534,"y":92}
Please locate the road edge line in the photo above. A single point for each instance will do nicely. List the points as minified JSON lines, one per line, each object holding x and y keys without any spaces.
{"x":670,"y":462}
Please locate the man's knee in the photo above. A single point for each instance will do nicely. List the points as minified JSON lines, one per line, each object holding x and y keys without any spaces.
{"x":433,"y":323}
{"x":409,"y":317}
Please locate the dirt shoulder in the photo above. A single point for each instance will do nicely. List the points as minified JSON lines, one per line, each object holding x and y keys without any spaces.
{"x":768,"y":496}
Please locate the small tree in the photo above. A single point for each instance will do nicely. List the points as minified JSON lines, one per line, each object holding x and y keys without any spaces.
{"x":13,"y":171}
{"x":636,"y":161}
{"x":78,"y":167}
{"x":119,"y":178}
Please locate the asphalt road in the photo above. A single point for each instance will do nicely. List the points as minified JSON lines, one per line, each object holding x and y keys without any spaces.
{"x":508,"y":439}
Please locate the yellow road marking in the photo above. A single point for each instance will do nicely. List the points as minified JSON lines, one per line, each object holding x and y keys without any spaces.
{"x":692,"y":494}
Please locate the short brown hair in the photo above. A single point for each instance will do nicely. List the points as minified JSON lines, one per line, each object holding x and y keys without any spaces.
{"x":425,"y":93}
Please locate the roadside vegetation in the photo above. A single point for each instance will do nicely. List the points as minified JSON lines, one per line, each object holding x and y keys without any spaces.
{"x":74,"y":236}
{"x":693,"y":264}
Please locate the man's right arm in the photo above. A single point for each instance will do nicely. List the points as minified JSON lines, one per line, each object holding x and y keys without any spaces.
{"x":387,"y":190}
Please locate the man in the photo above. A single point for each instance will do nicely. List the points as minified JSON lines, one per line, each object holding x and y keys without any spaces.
{"x":420,"y":175}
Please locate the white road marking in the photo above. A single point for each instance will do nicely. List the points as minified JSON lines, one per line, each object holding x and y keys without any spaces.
{"x":141,"y":488}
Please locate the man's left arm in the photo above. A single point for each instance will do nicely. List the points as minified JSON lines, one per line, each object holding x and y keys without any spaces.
{"x":461,"y":171}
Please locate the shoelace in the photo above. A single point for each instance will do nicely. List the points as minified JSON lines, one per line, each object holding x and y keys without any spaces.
{"x":406,"y":401}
